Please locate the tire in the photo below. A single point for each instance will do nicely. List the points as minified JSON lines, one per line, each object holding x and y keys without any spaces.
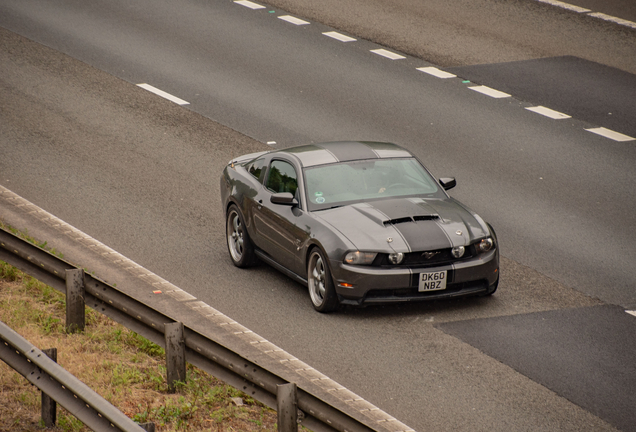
{"x":238,"y":241}
{"x":321,"y":289}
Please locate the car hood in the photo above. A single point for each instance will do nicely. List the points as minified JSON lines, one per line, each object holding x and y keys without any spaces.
{"x":406,"y":224}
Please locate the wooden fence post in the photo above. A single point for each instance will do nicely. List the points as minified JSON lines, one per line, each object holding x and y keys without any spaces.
{"x":75,"y":304}
{"x":287,"y":407}
{"x":175,"y":354}
{"x":49,"y":406}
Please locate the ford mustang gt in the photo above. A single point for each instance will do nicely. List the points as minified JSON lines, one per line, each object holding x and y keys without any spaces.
{"x":357,"y":223}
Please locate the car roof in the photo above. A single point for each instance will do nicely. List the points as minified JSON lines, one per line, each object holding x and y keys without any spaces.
{"x":343,"y":151}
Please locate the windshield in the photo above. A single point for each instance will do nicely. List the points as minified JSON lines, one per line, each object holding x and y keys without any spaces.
{"x":349,"y":182}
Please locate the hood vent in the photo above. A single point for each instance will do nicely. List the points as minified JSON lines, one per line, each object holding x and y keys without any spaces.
{"x":410,"y":219}
{"x":425,"y":217}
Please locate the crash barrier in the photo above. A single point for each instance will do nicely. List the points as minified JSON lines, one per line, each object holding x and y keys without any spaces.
{"x":202,"y":352}
{"x":59,"y":385}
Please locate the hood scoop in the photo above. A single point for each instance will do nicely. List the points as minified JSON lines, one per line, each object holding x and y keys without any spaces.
{"x":410,"y":219}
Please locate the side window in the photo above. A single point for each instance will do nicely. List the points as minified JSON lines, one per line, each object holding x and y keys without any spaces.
{"x":257,"y":169}
{"x":282,"y":177}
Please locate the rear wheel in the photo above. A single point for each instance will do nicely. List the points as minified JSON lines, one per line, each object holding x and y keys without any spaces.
{"x":321,"y":289}
{"x":238,"y":241}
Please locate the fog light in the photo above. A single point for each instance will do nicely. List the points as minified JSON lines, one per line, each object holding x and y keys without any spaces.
{"x":396,"y":257}
{"x":485,"y":245}
{"x":458,"y":251}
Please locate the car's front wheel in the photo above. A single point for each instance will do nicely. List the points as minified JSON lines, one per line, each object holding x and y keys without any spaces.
{"x":238,"y":241}
{"x":321,"y":289}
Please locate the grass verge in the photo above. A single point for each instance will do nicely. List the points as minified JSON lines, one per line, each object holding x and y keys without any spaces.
{"x":120,"y":365}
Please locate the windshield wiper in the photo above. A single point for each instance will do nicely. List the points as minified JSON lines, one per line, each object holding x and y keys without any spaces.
{"x":329,"y":208}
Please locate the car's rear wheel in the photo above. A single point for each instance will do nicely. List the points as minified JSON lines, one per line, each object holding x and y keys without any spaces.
{"x":321,"y":289}
{"x":238,"y":241}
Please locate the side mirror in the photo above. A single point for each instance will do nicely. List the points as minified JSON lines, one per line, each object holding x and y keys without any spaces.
{"x":283,"y":198}
{"x":448,"y":183}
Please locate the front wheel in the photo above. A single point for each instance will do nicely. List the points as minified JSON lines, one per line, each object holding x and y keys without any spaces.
{"x":321,"y":289}
{"x":238,"y":241}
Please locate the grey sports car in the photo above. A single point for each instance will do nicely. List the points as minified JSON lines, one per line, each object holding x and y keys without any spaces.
{"x":357,"y":223}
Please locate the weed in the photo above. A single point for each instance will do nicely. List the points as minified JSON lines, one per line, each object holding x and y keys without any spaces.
{"x":125,"y":368}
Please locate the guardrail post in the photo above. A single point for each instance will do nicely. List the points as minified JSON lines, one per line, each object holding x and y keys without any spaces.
{"x":75,"y":305}
{"x":49,"y":406}
{"x":287,"y":407}
{"x":175,"y":354}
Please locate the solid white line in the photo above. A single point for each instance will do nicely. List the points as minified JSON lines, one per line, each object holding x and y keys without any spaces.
{"x":163,"y":94}
{"x":490,"y":92}
{"x":613,"y":19}
{"x":387,"y":54}
{"x":436,"y":72}
{"x":338,"y":36}
{"x":607,"y":133}
{"x":631,"y":312}
{"x":565,"y":5}
{"x":249,"y":4}
{"x":293,"y":20}
{"x":548,"y":112}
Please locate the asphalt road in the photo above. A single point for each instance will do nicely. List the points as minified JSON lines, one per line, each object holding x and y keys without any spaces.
{"x":140,"y":174}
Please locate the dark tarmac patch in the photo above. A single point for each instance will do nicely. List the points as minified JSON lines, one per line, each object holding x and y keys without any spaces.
{"x":585,"y":90}
{"x":586,"y":355}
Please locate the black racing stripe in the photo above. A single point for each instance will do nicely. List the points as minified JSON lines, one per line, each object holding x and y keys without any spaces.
{"x":349,"y":151}
{"x":423,"y":235}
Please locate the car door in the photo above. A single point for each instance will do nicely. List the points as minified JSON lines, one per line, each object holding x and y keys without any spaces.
{"x":277,"y":225}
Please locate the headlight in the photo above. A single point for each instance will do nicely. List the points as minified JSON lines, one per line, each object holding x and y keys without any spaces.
{"x":360,"y":258}
{"x":396,"y":257}
{"x":485,"y":245}
{"x":458,"y":251}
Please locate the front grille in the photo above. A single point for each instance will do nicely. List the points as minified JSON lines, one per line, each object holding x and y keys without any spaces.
{"x":418,"y":259}
{"x":413,"y":294}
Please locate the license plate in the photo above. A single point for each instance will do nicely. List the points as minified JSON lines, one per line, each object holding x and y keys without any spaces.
{"x":432,"y":281}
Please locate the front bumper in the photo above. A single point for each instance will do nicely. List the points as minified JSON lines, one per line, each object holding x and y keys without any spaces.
{"x":400,"y":284}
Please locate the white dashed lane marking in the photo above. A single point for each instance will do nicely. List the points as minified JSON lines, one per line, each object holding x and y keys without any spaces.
{"x":631,"y":312}
{"x":436,"y":72}
{"x":588,"y":12}
{"x":490,"y":92}
{"x":607,"y":133}
{"x":548,"y":112}
{"x":249,"y":4}
{"x":388,"y":54}
{"x":293,"y":20}
{"x":564,"y":5}
{"x":163,"y":94}
{"x":613,"y":19}
{"x":338,"y":36}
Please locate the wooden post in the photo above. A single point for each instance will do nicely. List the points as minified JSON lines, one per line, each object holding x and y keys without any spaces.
{"x":49,"y":406}
{"x":287,"y":406}
{"x":175,"y":354}
{"x":75,"y":305}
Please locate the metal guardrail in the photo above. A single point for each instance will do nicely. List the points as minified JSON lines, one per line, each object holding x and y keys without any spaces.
{"x":201,"y":351}
{"x":52,"y":379}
